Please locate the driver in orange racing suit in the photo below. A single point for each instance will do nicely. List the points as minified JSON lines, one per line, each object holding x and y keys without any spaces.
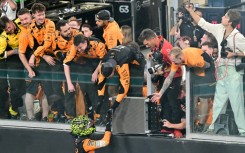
{"x":82,"y":129}
{"x":118,"y":59}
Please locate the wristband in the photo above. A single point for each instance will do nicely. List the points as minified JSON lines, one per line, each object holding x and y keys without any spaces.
{"x":5,"y":54}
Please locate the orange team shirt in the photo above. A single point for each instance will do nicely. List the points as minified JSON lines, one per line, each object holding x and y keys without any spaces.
{"x":24,"y":40}
{"x":60,"y":44}
{"x":43,"y":36}
{"x":193,"y":59}
{"x":97,"y":50}
{"x":112,"y":35}
{"x":91,"y":145}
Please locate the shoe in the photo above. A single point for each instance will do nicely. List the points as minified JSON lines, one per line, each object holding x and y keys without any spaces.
{"x":62,"y":118}
{"x":56,"y":118}
{"x":12,"y":112}
{"x":23,"y":117}
{"x":33,"y":119}
{"x":59,"y":118}
{"x":96,"y":116}
{"x":67,"y":118}
{"x":178,"y":134}
{"x":14,"y":117}
{"x":45,"y":119}
{"x":242,"y":134}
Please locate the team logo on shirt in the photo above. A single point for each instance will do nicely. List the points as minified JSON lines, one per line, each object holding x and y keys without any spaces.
{"x":99,"y":143}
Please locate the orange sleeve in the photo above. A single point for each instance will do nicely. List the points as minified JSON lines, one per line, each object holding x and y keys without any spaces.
{"x":113,"y":38}
{"x":90,"y":145}
{"x":55,"y":42}
{"x":70,"y":55}
{"x":49,"y":31}
{"x":97,"y":50}
{"x":100,"y":50}
{"x":24,"y":38}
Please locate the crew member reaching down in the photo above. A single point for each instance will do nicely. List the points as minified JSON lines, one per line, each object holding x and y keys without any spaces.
{"x":191,"y":58}
{"x":83,"y":57}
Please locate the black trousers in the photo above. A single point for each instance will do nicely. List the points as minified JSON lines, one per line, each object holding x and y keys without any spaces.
{"x":58,"y":77}
{"x":170,"y":104}
{"x":12,"y":75}
{"x":82,"y":74}
{"x":52,"y":87}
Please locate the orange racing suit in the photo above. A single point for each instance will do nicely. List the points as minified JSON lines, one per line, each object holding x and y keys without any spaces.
{"x":123,"y":56}
{"x":89,"y":146}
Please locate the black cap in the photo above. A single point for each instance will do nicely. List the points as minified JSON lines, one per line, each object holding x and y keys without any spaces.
{"x":104,"y":15}
{"x":108,"y":67}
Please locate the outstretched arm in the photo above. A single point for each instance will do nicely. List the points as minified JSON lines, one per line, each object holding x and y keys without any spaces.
{"x":26,"y":65}
{"x":70,"y":86}
{"x":178,"y":126}
{"x":194,"y":15}
{"x":166,"y":84}
{"x":96,"y":73}
{"x":12,"y":4}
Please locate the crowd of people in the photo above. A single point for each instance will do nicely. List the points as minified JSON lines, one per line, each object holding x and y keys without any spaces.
{"x":55,"y":57}
{"x":218,"y":63}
